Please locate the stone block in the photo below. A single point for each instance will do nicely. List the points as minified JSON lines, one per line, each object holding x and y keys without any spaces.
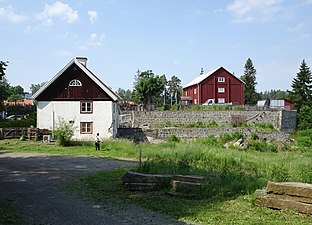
{"x":290,"y":188}
{"x":286,"y":195}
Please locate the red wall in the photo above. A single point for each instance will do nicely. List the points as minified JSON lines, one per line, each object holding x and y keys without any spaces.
{"x":208,"y":89}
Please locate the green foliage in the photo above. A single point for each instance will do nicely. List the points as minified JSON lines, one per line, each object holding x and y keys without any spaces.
{"x":301,"y":92}
{"x":262,"y":146}
{"x":175,"y":107}
{"x":305,"y":117}
{"x":209,"y":141}
{"x":174,"y":89}
{"x":148,"y":87}
{"x":230,"y":137}
{"x":249,"y":77}
{"x":274,"y":94}
{"x":35,"y":87}
{"x":264,"y":126}
{"x":173,"y":138}
{"x":254,"y":136}
{"x":279,"y":173}
{"x":31,"y":121}
{"x":3,"y":66}
{"x":63,"y":132}
{"x":126,"y":95}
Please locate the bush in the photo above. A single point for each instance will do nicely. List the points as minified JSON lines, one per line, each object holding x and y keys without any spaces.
{"x":305,"y":118}
{"x":63,"y":132}
{"x":262,"y":146}
{"x":173,"y":138}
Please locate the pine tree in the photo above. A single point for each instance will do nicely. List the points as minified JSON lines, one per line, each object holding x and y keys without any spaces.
{"x":249,"y":77}
{"x":301,"y":93}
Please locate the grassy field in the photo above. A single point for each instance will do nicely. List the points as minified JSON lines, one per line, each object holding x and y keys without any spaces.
{"x":227,"y":199}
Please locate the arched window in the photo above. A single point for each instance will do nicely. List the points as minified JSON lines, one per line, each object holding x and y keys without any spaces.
{"x":74,"y":83}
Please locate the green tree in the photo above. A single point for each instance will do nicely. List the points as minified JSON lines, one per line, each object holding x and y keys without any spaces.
{"x":249,"y":77}
{"x":301,"y":92}
{"x":126,"y":95}
{"x":35,"y":87}
{"x":274,"y":94}
{"x":174,"y":88}
{"x":148,"y":87}
{"x":16,"y":93}
{"x":4,"y":85}
{"x":3,"y":66}
{"x":305,"y":117}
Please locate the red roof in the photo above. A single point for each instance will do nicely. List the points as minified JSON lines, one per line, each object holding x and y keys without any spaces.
{"x":20,"y":102}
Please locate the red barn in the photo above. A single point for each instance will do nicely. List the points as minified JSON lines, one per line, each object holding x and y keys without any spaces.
{"x":219,"y":86}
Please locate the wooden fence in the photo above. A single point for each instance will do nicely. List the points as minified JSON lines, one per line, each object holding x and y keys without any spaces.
{"x":20,"y":132}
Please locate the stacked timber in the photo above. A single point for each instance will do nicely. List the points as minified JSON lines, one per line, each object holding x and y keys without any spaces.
{"x":286,"y":195}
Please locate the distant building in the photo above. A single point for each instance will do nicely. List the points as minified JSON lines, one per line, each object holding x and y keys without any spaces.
{"x":22,"y":102}
{"x":273,"y":104}
{"x":219,"y":85}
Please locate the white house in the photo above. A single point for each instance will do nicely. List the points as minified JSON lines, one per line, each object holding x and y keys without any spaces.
{"x":77,"y":96}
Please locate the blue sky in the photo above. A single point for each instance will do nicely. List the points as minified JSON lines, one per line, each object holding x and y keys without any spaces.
{"x":172,"y":37}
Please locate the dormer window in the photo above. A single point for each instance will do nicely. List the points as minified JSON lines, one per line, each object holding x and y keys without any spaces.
{"x":75,"y":83}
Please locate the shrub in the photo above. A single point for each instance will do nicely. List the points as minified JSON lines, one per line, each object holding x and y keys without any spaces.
{"x":305,"y":118}
{"x":262,"y":146}
{"x":173,"y":138}
{"x":63,"y":132}
{"x":254,"y":136}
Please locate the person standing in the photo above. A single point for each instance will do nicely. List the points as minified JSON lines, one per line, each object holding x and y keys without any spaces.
{"x":97,"y":142}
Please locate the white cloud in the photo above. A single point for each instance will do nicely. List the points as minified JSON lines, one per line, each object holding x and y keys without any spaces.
{"x":57,"y":10}
{"x":93,"y":41}
{"x":254,"y":10}
{"x":92,"y":16}
{"x":9,"y":15}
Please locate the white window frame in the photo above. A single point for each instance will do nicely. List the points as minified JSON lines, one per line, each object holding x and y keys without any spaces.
{"x":195,"y":91}
{"x":221,"y":100}
{"x":221,"y":79}
{"x":221,"y":90}
{"x":75,"y":83}
{"x":195,"y":101}
{"x":86,"y":107}
{"x":86,"y":127}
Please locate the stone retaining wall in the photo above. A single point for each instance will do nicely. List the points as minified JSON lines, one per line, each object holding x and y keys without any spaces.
{"x":281,"y":119}
{"x":138,"y":134}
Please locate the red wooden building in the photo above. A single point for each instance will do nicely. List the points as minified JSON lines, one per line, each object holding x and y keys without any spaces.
{"x":219,"y":86}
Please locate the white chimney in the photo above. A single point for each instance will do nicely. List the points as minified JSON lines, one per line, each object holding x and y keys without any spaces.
{"x":82,"y":60}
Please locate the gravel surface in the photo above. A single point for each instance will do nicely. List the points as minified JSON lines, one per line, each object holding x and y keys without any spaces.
{"x":35,"y":183}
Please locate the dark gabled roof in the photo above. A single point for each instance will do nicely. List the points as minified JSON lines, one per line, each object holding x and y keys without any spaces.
{"x":202,"y":77}
{"x":101,"y":84}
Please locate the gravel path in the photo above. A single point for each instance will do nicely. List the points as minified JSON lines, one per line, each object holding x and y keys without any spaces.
{"x":34,"y":182}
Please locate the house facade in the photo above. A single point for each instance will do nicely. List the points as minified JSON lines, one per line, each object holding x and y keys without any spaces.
{"x":77,"y":96}
{"x":217,"y":86}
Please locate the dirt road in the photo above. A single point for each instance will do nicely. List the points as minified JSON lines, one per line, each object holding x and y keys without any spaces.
{"x":35,"y":183}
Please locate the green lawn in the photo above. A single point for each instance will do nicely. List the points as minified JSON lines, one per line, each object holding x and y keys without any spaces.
{"x":228,"y":197}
